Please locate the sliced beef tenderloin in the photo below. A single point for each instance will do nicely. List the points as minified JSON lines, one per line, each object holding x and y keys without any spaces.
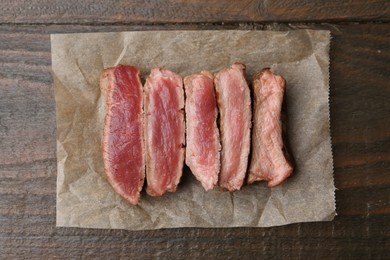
{"x":123,"y":144}
{"x":270,"y":160}
{"x":164,"y":131}
{"x":234,"y":103}
{"x":202,"y":141}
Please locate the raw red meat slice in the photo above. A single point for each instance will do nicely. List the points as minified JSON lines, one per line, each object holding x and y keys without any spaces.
{"x":202,"y":149}
{"x":164,"y":131}
{"x":234,"y":102}
{"x":123,"y":147}
{"x":270,"y":160}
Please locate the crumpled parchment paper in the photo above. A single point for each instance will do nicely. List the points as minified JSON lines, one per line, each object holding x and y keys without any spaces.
{"x":85,"y":198}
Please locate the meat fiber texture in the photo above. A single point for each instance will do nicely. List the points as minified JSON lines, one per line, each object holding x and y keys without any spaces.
{"x":164,"y":131}
{"x":202,"y":140}
{"x":270,"y":159}
{"x":123,"y":146}
{"x":234,"y":102}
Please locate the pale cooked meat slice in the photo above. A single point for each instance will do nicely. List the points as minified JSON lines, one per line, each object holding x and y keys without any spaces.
{"x":123,"y":144}
{"x":234,"y":103}
{"x":164,"y":131}
{"x":202,"y":141}
{"x":270,"y":160}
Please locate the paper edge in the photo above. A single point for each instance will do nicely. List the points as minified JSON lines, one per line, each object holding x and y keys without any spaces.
{"x":59,"y":174}
{"x":330,"y":128}
{"x":66,"y":225}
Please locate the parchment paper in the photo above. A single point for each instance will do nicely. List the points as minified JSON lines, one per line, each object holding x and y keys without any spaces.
{"x":84,"y":197}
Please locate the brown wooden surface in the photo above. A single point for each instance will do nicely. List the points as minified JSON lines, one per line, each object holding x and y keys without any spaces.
{"x":141,"y":11}
{"x":360,"y":119}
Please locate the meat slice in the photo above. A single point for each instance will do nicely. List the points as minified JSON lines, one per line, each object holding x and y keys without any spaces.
{"x":234,"y":102}
{"x":269,"y":160}
{"x":164,"y":135}
{"x":123,"y":147}
{"x":202,"y":151}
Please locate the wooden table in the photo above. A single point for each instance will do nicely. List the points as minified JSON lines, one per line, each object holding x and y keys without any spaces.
{"x":360,"y":124}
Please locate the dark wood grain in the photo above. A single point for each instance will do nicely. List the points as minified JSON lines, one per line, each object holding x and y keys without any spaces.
{"x":344,"y":238}
{"x":165,"y":11}
{"x":360,"y":119}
